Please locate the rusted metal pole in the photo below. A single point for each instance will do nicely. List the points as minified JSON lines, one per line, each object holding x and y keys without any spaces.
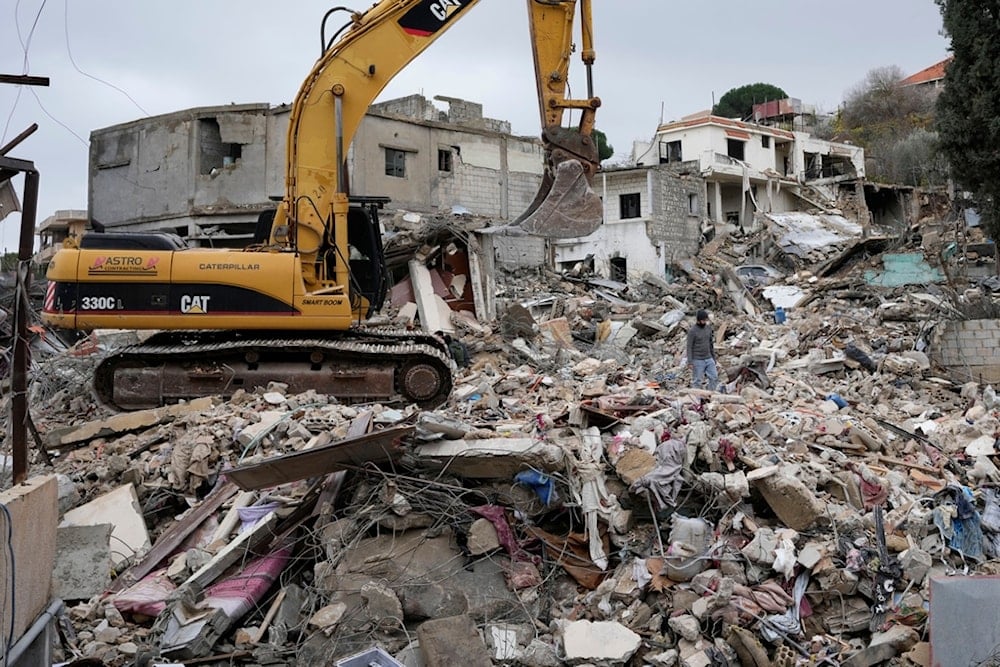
{"x":19,"y":372}
{"x":18,"y":139}
{"x":10,"y":167}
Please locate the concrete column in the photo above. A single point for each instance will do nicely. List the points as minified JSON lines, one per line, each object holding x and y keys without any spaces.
{"x":504,"y":180}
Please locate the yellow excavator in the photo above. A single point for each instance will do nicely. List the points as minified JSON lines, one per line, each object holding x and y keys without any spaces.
{"x":291,"y":307}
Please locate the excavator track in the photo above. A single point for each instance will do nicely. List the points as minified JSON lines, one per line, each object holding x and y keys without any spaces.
{"x":357,"y":367}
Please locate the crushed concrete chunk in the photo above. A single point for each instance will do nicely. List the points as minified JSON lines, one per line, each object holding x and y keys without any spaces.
{"x":452,"y":641}
{"x":599,"y":640}
{"x":796,"y":506}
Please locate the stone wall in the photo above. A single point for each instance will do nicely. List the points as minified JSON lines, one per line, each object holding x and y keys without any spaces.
{"x":514,"y":252}
{"x":970,"y":349}
{"x":679,"y":202}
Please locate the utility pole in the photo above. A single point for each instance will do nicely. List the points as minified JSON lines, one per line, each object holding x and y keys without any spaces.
{"x":10,"y":167}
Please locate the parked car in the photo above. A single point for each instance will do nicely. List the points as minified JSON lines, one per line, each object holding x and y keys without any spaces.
{"x":757,"y":275}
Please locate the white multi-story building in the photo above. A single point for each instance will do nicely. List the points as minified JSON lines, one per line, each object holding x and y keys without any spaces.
{"x":752,"y":168}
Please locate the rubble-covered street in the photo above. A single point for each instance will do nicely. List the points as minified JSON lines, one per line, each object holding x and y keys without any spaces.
{"x":574,"y":502}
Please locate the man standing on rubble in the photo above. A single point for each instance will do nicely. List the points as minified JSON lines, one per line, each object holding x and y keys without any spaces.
{"x":701,"y":352}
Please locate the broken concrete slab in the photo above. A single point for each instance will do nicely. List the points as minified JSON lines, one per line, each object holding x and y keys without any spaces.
{"x":32,"y":545}
{"x":434,"y":312}
{"x":796,"y":506}
{"x":961,"y":634}
{"x":452,"y":641}
{"x":126,"y":422}
{"x":598,"y":641}
{"x":380,"y":446}
{"x":83,"y":561}
{"x":120,"y":508}
{"x":494,"y":458}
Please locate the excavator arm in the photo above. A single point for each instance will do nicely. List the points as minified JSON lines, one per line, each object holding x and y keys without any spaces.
{"x":352,"y":72}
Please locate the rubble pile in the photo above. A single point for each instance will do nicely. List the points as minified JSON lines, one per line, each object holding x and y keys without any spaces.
{"x":575,"y":502}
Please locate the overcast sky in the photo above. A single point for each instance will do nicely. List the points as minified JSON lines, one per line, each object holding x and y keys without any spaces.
{"x":113,"y":61}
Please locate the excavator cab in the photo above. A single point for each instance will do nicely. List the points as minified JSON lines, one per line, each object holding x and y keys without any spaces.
{"x":369,"y":275}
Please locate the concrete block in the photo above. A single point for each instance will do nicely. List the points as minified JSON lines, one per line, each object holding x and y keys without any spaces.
{"x":599,"y":640}
{"x":900,"y":637}
{"x":251,"y":432}
{"x":34,"y":516}
{"x":871,"y":656}
{"x":793,"y":503}
{"x":120,"y":508}
{"x":83,"y":561}
{"x":483,"y":537}
{"x":686,"y":626}
{"x":432,"y":600}
{"x":452,"y":641}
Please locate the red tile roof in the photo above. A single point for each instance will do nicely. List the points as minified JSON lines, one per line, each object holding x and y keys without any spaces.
{"x":933,"y":73}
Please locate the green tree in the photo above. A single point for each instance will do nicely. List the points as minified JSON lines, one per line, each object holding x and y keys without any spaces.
{"x":968,"y":109}
{"x":738,"y":102}
{"x":604,"y":149}
{"x":8,"y":261}
{"x":880,"y":114}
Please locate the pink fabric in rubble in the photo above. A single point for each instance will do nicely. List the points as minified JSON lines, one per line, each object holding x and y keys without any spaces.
{"x":498,"y":517}
{"x":148,"y":596}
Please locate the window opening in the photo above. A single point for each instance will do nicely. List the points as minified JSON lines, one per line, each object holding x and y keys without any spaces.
{"x":395,"y":163}
{"x":630,"y":205}
{"x":444,"y":160}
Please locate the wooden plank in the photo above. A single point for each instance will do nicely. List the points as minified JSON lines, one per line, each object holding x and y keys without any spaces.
{"x":262,"y":532}
{"x":173,"y":536}
{"x":24,"y":79}
{"x":278,"y":599}
{"x":244,"y":499}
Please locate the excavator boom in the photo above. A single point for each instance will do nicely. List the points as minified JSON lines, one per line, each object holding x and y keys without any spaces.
{"x":379,"y":43}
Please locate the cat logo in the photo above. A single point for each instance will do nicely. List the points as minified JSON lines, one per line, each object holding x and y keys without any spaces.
{"x":194,"y":305}
{"x":430,"y":16}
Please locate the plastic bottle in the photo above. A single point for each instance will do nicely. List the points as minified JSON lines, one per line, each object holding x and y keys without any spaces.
{"x":779,"y":315}
{"x":689,"y":540}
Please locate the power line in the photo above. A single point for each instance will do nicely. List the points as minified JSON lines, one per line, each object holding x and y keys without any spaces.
{"x":57,"y":121}
{"x":69,"y":51}
{"x":26,"y":43}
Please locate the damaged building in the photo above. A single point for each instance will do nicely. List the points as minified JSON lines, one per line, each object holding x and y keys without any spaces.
{"x":214,"y":170}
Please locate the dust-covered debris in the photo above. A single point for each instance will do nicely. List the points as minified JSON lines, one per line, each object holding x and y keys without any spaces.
{"x":574,"y":501}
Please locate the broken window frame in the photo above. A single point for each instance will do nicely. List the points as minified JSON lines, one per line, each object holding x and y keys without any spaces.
{"x":736,"y":148}
{"x":618,"y":268}
{"x":765,"y":141}
{"x":630,"y":206}
{"x":395,"y":162}
{"x":445,"y":162}
{"x":694,"y":204}
{"x":671,"y":151}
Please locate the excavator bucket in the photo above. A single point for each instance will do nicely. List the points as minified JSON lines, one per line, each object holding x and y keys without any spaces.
{"x":569,"y":208}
